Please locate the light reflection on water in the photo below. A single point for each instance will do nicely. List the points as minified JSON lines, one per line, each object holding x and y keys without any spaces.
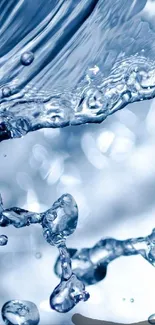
{"x":108,"y":168}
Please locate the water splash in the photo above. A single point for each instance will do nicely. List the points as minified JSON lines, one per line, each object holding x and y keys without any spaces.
{"x":57,"y":223}
{"x":129,"y":81}
{"x":19,"y":218}
{"x":20,"y":312}
{"x":90,"y":264}
{"x":77,"y":62}
{"x":67,"y":294}
{"x":71,"y":290}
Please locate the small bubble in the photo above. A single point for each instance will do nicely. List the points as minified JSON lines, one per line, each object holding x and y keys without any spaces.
{"x":3,"y":240}
{"x":6,"y":92}
{"x":131,"y":300}
{"x":123,"y":299}
{"x":4,"y":155}
{"x":38,"y":255}
{"x":151,"y":319}
{"x":27,"y":58}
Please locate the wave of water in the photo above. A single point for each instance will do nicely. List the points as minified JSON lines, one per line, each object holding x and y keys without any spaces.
{"x":88,"y":59}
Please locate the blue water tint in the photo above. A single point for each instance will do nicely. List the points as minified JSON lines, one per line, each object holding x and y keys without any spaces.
{"x":72,"y":62}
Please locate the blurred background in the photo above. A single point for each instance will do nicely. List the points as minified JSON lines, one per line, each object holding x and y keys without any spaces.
{"x":110,"y":170}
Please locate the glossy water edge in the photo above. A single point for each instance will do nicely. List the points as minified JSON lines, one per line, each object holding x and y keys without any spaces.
{"x":72,"y":64}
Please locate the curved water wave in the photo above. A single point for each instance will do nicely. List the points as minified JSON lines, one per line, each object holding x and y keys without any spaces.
{"x":86,"y":60}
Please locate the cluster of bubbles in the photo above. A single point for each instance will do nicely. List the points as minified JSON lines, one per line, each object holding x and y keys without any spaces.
{"x":130,"y":80}
{"x":25,"y":59}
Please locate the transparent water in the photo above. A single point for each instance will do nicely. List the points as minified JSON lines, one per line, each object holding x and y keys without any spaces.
{"x":70,"y":63}
{"x":73,"y":62}
{"x":20,"y":312}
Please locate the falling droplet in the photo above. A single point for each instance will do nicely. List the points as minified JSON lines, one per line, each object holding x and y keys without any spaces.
{"x":151,"y":319}
{"x":27,"y":58}
{"x":20,"y":312}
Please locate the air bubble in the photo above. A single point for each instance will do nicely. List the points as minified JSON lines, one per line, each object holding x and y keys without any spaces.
{"x":27,"y":58}
{"x":67,"y":294}
{"x":6,"y":92}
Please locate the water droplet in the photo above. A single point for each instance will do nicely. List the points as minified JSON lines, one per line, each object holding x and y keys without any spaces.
{"x":131,"y":300}
{"x":151,"y":319}
{"x":27,"y":58}
{"x":6,"y":92}
{"x":3,"y":240}
{"x":67,"y":294}
{"x":20,"y":312}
